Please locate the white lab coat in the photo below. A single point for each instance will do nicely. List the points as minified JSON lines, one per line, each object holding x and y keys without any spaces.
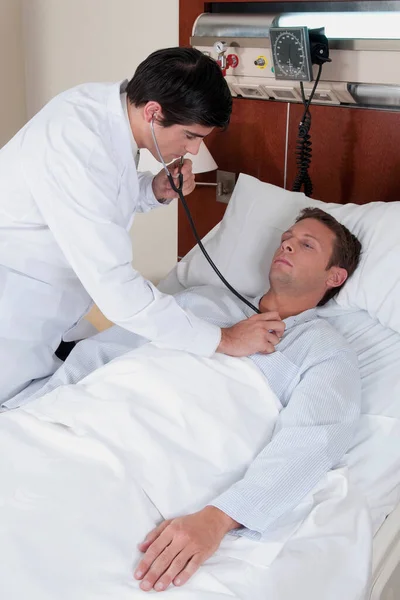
{"x":69,"y":190}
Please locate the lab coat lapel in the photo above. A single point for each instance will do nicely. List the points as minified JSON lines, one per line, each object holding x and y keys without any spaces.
{"x":122,"y":151}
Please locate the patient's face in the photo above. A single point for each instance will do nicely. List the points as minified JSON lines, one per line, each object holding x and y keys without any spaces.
{"x":300,"y":263}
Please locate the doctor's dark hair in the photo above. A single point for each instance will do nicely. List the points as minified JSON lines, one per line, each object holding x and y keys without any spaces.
{"x":346,"y":249}
{"x":187,"y":84}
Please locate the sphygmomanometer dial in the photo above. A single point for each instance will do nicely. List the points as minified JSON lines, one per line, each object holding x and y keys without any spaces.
{"x":290,"y":48}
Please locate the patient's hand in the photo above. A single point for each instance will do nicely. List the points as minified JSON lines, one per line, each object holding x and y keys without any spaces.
{"x":259,"y":333}
{"x":177,"y":548}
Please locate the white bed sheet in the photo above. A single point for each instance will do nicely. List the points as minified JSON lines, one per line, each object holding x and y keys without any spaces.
{"x":329,"y":556}
{"x":374,"y":459}
{"x":114,"y":442}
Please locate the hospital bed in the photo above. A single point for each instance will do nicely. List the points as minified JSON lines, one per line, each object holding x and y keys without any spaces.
{"x":368,"y":316}
{"x":380,"y":418}
{"x":386,"y":559}
{"x":242,"y":246}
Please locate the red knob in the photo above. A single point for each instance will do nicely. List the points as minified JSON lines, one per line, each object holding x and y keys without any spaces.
{"x":232,"y":60}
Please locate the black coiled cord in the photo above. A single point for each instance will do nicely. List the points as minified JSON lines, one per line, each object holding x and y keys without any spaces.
{"x":303,"y":157}
{"x":304,"y":144}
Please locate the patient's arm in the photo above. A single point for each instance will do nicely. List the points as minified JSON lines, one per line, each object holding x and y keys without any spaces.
{"x":311,"y":436}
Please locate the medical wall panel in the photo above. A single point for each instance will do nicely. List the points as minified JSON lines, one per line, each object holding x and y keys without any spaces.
{"x":355,"y":151}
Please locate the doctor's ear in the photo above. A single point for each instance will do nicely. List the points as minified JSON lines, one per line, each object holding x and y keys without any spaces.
{"x":152,"y":110}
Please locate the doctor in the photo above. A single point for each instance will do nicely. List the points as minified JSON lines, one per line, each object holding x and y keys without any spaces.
{"x":69,"y":190}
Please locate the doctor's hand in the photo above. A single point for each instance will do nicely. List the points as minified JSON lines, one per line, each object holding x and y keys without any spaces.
{"x":259,"y":333}
{"x":176,"y":548}
{"x":161,"y":187}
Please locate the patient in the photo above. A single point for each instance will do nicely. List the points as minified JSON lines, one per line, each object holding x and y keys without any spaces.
{"x":313,"y":372}
{"x":315,"y":375}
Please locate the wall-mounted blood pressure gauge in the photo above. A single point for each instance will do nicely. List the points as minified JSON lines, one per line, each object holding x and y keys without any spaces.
{"x":290,"y":47}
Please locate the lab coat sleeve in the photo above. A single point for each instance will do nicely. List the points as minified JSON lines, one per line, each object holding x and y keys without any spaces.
{"x":75,"y":184}
{"x":311,"y":436}
{"x":147,"y":199}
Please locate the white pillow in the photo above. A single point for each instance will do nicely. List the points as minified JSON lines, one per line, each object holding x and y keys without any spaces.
{"x":243,"y":244}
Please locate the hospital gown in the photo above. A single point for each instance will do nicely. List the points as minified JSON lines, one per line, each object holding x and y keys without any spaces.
{"x":313,"y":372}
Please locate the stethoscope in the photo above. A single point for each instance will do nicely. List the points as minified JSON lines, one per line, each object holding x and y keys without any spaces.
{"x":178,"y":190}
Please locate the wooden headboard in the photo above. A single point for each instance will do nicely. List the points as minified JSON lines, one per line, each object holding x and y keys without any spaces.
{"x":356,"y":152}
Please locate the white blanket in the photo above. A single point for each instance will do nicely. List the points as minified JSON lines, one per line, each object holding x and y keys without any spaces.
{"x":88,"y":470}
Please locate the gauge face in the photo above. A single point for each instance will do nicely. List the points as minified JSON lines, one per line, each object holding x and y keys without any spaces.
{"x":220,"y":47}
{"x":291,"y":55}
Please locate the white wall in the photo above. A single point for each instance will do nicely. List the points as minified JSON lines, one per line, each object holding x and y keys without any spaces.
{"x":12,"y":97}
{"x":68,"y":42}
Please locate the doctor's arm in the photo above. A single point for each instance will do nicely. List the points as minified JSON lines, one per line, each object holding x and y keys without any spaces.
{"x":76,"y":187}
{"x":75,"y":184}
